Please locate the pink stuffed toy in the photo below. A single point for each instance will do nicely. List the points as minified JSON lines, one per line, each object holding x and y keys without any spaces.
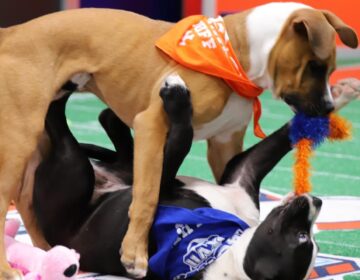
{"x":59,"y":263}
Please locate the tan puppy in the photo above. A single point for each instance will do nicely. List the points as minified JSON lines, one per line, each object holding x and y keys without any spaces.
{"x":287,"y":47}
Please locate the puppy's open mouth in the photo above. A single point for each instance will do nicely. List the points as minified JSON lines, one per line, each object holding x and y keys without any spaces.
{"x":310,"y":108}
{"x":291,"y":102}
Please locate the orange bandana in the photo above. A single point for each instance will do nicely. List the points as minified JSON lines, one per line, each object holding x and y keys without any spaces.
{"x":202,"y":44}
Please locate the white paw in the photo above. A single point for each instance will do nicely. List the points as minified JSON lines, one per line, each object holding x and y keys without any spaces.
{"x":173,"y":80}
{"x":137,"y":273}
{"x":136,"y":266}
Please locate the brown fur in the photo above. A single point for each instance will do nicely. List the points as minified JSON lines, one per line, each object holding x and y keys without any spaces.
{"x":38,"y":57}
{"x":307,"y":36}
{"x":219,"y":153}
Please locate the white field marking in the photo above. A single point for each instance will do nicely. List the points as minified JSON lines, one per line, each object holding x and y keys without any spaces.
{"x":355,"y":124}
{"x":197,"y":158}
{"x":321,"y":173}
{"x":348,"y":110}
{"x":338,"y":155}
{"x":85,"y":108}
{"x":83,"y":96}
{"x":337,"y":209}
{"x":274,"y":116}
{"x":276,"y":104}
{"x":92,"y":126}
{"x":334,"y":209}
{"x":338,"y":244}
{"x":318,"y":154}
{"x":264,"y":25}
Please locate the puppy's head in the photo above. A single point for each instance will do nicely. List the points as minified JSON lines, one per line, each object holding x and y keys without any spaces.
{"x":283,"y":247}
{"x":304,"y":56}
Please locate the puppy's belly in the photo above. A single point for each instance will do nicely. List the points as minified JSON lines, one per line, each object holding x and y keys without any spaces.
{"x":235,"y":116}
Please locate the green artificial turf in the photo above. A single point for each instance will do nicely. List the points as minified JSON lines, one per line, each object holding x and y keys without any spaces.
{"x":336,"y":165}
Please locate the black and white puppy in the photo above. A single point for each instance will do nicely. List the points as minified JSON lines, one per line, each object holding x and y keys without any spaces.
{"x":282,"y":247}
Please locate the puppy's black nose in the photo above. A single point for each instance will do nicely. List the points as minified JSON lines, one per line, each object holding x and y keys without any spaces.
{"x":317,"y":202}
{"x":70,"y":271}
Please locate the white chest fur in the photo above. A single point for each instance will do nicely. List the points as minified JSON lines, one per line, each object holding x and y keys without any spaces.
{"x":235,"y":116}
{"x":230,"y":198}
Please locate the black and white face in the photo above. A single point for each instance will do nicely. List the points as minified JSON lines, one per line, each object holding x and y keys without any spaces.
{"x":283,"y":246}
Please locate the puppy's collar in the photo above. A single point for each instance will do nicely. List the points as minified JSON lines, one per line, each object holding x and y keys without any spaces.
{"x":190,"y":240}
{"x":202,"y":44}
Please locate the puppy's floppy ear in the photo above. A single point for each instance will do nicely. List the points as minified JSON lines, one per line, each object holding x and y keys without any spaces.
{"x":313,"y":25}
{"x":265,"y":268}
{"x":347,"y":35}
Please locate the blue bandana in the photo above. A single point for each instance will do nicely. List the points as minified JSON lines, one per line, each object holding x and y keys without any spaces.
{"x":190,"y":240}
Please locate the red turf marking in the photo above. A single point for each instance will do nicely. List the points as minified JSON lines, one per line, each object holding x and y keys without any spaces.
{"x":191,"y":7}
{"x":347,"y":72}
{"x":340,"y":268}
{"x":272,"y":197}
{"x":339,"y":225}
{"x":313,"y":275}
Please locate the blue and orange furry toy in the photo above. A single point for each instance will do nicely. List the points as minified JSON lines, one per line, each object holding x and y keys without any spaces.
{"x":306,"y":134}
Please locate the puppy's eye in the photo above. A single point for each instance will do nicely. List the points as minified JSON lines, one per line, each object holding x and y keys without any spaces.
{"x":303,"y":237}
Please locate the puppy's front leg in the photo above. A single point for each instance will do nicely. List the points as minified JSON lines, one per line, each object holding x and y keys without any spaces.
{"x":220,"y":152}
{"x":24,"y":199}
{"x":150,"y":134}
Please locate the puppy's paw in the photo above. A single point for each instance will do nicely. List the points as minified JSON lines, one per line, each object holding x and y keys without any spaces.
{"x":176,"y":99}
{"x":134,"y":259}
{"x":10,"y":274}
{"x":173,"y":80}
{"x":345,"y":91}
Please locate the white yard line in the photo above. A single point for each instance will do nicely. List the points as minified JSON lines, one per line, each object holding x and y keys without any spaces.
{"x":337,"y":244}
{"x":321,"y":173}
{"x":85,"y":108}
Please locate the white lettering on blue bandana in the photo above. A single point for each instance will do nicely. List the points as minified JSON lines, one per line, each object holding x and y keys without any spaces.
{"x":190,"y":240}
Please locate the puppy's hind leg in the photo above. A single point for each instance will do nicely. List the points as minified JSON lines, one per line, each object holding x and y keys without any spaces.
{"x":64,"y":181}
{"x":120,"y":135}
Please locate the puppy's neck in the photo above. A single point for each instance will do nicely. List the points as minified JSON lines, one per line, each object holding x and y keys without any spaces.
{"x":253,"y":35}
{"x":230,"y":264}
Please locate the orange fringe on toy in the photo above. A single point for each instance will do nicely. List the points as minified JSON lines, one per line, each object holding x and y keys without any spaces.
{"x":302,"y":166}
{"x":340,"y":129}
